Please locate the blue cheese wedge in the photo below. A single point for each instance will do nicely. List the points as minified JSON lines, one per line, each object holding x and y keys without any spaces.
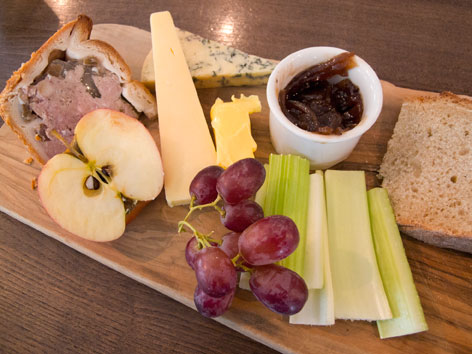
{"x":213,"y":64}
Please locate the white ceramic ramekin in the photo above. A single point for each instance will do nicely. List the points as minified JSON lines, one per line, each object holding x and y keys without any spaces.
{"x":323,"y":151}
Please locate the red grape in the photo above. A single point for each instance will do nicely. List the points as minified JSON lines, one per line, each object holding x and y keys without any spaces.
{"x":269,"y":240}
{"x":231,"y":248}
{"x":241,"y":180}
{"x":239,"y":216}
{"x":280,"y":289}
{"x":215,"y":272}
{"x":191,"y":251}
{"x":210,"y":306}
{"x":230,"y":244}
{"x":203,"y":185}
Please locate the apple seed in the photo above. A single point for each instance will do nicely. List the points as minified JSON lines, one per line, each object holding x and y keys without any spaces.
{"x":91,"y":183}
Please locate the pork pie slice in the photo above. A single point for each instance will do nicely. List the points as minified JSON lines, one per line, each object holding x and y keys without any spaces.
{"x":69,"y":76}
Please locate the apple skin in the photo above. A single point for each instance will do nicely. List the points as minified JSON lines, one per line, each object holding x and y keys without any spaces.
{"x":105,"y":138}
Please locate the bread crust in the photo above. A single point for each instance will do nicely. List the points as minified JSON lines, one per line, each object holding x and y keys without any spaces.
{"x":454,"y":236}
{"x":463,"y":101}
{"x":73,"y":40}
{"x":436,"y":238}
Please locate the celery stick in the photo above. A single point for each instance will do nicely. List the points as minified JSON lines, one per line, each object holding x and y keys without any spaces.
{"x":274,"y":186}
{"x":262,"y":192}
{"x":291,"y":185}
{"x":316,"y":221}
{"x":296,"y":207}
{"x":358,"y":288}
{"x":282,"y":185}
{"x":319,"y":308}
{"x":408,"y":317}
{"x":287,"y":194}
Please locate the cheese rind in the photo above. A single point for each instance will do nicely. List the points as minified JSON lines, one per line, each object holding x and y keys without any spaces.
{"x":213,"y":64}
{"x":186,"y":143}
{"x":232,"y":128}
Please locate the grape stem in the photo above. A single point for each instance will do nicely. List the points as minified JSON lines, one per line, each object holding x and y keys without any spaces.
{"x":236,"y":258}
{"x":199,"y":207}
{"x":238,"y":262}
{"x":204,"y":240}
{"x":192,"y":201}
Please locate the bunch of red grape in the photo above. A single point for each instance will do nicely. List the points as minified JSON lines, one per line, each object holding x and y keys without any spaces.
{"x":254,"y":244}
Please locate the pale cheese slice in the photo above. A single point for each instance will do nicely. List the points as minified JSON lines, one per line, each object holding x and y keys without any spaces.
{"x":186,"y":143}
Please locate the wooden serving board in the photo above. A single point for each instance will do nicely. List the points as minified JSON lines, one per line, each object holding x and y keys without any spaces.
{"x":152,"y":253}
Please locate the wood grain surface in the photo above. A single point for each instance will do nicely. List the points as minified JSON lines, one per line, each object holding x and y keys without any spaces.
{"x":53,"y":299}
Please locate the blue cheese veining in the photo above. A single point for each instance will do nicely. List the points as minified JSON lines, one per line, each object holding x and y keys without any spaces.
{"x":213,"y":64}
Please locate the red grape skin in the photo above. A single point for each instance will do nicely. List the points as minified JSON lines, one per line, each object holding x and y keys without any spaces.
{"x":210,"y":306}
{"x":269,"y":240}
{"x":203,"y":185}
{"x":229,"y":244}
{"x":279,"y":289}
{"x":241,"y":180}
{"x":215,"y":272}
{"x":239,"y":216}
{"x":191,"y":251}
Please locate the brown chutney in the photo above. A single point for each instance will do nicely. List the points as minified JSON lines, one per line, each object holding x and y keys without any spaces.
{"x":313,"y":103}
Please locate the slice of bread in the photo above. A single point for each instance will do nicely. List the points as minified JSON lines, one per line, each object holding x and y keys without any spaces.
{"x":427,"y":170}
{"x":71,"y":42}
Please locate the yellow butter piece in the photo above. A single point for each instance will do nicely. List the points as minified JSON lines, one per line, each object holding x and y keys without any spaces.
{"x":186,"y":144}
{"x":232,"y":128}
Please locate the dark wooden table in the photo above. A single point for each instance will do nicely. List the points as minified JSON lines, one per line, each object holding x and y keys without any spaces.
{"x":53,"y":299}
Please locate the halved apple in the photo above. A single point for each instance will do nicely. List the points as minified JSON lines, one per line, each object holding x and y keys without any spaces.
{"x":114,"y":161}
